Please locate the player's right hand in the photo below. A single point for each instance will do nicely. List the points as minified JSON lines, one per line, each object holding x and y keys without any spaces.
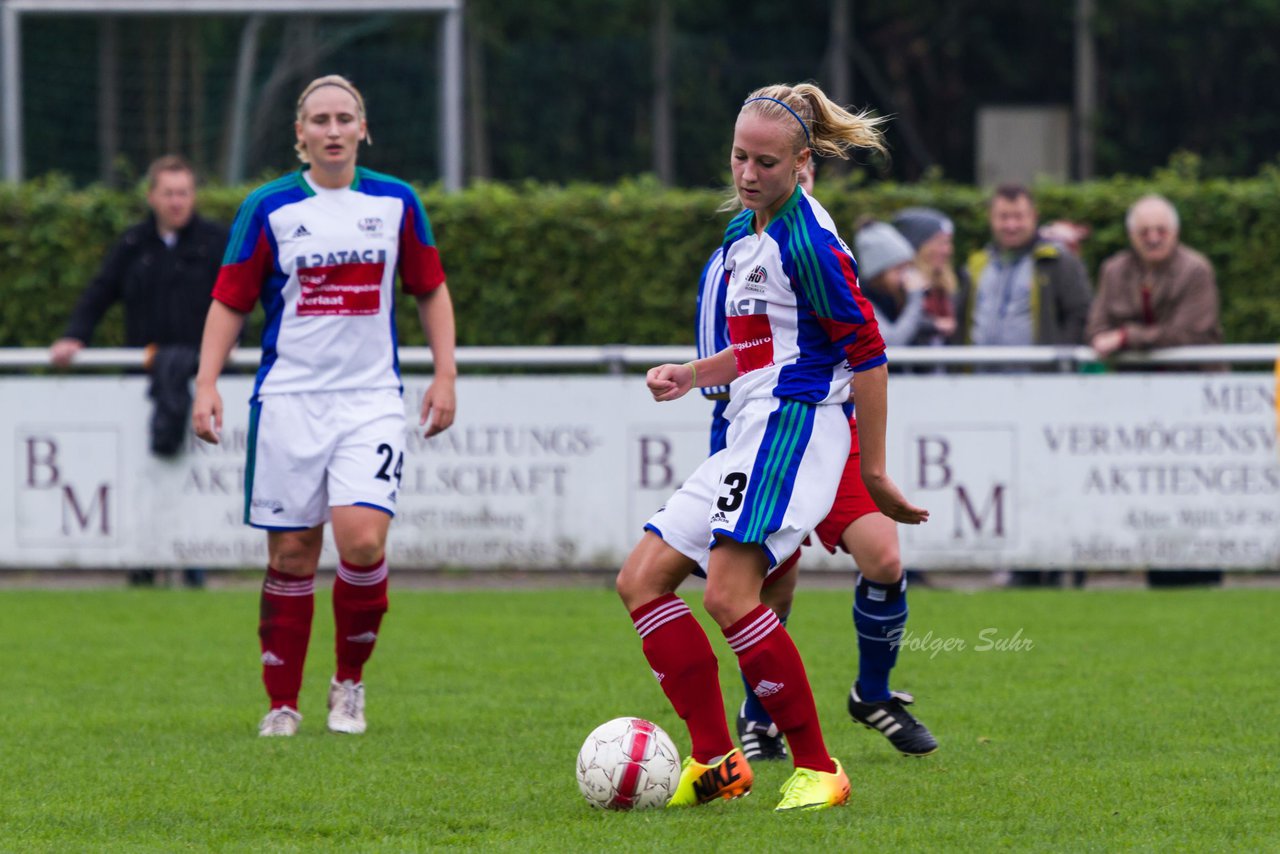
{"x":206,"y":414}
{"x":668,"y":382}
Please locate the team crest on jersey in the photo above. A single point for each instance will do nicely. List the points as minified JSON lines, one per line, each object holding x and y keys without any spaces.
{"x":756,"y":279}
{"x":370,"y":225}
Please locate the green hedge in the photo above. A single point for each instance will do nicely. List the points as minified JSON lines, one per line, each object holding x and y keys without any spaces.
{"x":594,"y":265}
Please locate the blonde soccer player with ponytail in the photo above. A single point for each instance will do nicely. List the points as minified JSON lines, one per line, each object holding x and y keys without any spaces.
{"x":802,"y":333}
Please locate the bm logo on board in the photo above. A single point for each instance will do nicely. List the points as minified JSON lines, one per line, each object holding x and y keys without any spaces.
{"x":66,"y":486}
{"x":966,"y":476}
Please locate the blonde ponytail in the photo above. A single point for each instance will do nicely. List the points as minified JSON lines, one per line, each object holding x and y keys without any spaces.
{"x":819,"y":123}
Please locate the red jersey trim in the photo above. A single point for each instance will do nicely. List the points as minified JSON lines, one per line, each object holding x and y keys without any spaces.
{"x":239,"y":285}
{"x":420,"y":269}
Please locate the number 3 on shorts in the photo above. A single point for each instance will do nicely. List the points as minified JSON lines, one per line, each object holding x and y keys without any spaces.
{"x":737,"y":482}
{"x":384,"y":471}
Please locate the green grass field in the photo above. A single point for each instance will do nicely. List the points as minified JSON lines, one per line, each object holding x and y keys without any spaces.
{"x":1136,"y":719}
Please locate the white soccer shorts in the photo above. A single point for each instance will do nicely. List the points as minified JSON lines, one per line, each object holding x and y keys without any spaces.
{"x":772,"y":485}
{"x":314,"y":450}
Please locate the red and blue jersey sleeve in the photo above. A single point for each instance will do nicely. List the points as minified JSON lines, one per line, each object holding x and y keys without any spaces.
{"x":826,"y":277}
{"x":420,"y":268}
{"x":249,"y":259}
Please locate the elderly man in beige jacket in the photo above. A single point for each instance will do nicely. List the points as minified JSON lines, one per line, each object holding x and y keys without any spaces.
{"x":1159,"y":293}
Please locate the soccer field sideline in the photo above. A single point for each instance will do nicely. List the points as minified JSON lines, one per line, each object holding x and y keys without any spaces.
{"x":130,"y":721}
{"x":507,"y":579}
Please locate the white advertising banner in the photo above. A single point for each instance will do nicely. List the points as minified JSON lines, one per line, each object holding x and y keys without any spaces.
{"x":546,"y":472}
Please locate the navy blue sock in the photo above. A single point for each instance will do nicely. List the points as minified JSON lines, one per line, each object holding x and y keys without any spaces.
{"x":879,"y":615}
{"x":753,"y":711}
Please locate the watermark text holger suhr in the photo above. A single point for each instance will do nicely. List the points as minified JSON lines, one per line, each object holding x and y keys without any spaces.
{"x":989,"y":640}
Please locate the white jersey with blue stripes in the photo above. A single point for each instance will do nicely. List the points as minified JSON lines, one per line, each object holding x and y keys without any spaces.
{"x":798,"y":323}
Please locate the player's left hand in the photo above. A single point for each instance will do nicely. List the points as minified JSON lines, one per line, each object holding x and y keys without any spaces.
{"x":438,"y":406}
{"x":891,"y":501}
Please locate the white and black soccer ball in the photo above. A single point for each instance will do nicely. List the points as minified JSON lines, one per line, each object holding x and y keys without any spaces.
{"x":628,"y":764}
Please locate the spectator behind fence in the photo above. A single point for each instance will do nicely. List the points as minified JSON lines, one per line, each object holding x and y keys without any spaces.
{"x":1157,"y":293}
{"x":895,"y":286}
{"x":162,"y":270}
{"x":1022,"y":290}
{"x":931,"y":235}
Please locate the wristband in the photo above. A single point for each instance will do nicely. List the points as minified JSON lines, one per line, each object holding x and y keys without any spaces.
{"x":693,"y":383}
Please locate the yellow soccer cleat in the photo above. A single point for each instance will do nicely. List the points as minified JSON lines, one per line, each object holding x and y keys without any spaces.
{"x":729,"y":778}
{"x":807,"y":789}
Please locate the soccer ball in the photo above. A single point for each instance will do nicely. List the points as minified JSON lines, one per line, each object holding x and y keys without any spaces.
{"x":628,"y":764}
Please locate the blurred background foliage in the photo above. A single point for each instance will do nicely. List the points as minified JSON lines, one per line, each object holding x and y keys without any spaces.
{"x":567,"y":90}
{"x":540,"y":264}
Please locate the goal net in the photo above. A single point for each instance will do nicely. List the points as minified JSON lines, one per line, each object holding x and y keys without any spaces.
{"x":102,"y":93}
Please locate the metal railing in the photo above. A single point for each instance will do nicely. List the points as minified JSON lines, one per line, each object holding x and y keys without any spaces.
{"x":619,"y":358}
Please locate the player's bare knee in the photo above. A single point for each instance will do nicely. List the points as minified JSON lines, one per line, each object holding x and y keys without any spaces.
{"x":779,"y":603}
{"x":640,"y":581}
{"x":884,"y":567}
{"x":294,"y":561}
{"x":724,"y":605}
{"x":363,"y":549}
{"x":652,"y":569}
{"x":625,"y":585}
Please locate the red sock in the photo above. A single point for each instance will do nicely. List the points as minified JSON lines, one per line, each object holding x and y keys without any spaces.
{"x":359,"y":601}
{"x":773,"y":668}
{"x":682,"y":659}
{"x":284,"y":629}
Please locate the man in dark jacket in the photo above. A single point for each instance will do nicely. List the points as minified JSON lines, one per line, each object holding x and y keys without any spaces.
{"x":162,"y":270}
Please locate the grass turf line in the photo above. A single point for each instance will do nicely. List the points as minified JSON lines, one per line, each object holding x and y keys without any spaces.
{"x":1135,"y":719}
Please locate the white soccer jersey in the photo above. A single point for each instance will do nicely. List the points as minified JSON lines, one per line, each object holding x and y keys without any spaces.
{"x":799,"y":324}
{"x":324,"y":262}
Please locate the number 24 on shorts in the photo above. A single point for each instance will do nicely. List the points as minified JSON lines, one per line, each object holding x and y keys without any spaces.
{"x":384,"y":471}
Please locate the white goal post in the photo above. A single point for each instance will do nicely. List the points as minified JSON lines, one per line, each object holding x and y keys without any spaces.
{"x":12,"y":12}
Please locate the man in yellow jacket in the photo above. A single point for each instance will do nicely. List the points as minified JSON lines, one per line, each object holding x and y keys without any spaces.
{"x":1022,"y":290}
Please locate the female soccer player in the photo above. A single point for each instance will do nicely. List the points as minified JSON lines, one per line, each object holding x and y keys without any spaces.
{"x":321,"y":248}
{"x":801,"y":332}
{"x":853,"y":524}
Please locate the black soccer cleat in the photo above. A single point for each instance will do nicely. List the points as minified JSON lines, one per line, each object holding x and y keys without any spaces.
{"x":759,"y":741}
{"x":892,"y":720}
